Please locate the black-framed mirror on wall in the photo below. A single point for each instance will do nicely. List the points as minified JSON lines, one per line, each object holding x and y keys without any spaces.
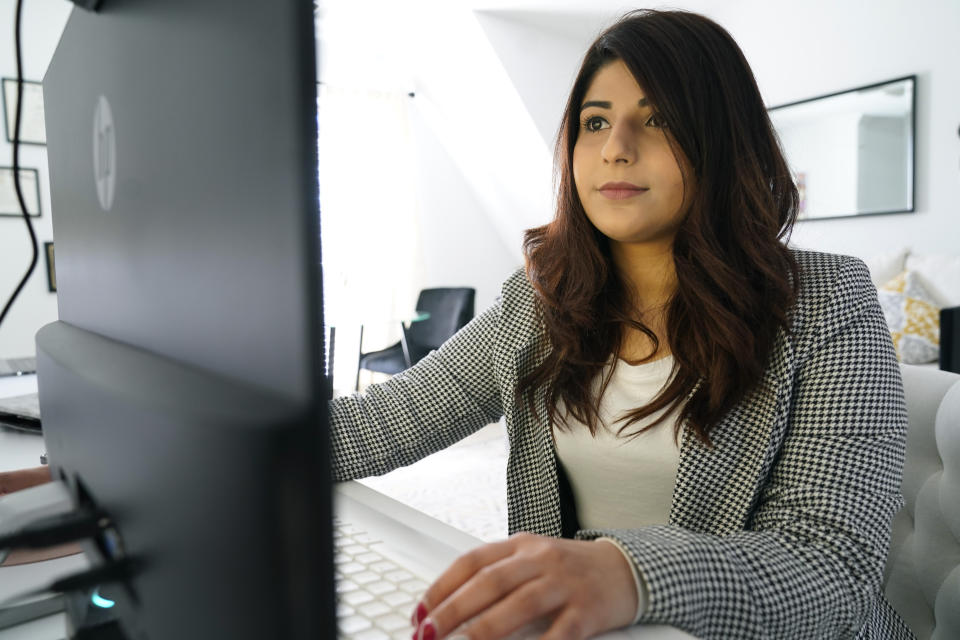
{"x":853,"y":152}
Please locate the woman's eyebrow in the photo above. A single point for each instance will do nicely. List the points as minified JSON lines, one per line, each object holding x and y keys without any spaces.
{"x":603,"y":104}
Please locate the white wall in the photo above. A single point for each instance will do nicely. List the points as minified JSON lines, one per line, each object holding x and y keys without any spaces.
{"x":822,"y":46}
{"x":460,"y":247}
{"x":543,"y":86}
{"x":42,"y":24}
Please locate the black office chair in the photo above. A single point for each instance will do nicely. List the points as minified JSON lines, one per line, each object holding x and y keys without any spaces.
{"x":449,"y":309}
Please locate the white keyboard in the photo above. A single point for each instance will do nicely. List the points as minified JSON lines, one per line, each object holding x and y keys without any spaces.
{"x":375,"y":595}
{"x":416,"y":545}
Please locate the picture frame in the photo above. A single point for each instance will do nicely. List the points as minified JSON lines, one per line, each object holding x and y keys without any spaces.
{"x":51,"y":267}
{"x":30,"y":183}
{"x":32,"y":128}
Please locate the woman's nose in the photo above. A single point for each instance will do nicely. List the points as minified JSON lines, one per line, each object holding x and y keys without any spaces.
{"x":620,"y":146}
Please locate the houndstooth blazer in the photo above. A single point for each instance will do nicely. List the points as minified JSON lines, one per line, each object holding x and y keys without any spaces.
{"x":780,"y":531}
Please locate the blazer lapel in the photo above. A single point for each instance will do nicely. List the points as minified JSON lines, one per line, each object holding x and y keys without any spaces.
{"x":533,"y":497}
{"x":716,"y":488}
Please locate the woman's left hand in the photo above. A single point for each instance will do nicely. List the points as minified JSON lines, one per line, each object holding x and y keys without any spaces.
{"x":585,"y":587}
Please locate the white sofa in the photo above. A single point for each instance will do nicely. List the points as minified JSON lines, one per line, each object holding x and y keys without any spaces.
{"x":922,"y":577}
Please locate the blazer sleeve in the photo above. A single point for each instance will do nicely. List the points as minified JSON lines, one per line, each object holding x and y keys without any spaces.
{"x":810,"y":562}
{"x":445,"y":397}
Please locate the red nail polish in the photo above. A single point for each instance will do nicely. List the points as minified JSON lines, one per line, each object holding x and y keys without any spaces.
{"x":427,"y":630}
{"x":419,"y":614}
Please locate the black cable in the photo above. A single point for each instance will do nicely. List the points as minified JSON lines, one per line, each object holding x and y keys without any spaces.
{"x":118,"y":571}
{"x":53,"y":530}
{"x":16,"y":164}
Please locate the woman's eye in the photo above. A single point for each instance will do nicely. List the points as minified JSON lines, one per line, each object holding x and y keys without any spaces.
{"x":594,"y":123}
{"x":656,"y":119}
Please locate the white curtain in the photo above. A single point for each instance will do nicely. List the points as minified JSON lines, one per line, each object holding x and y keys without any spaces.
{"x":372,"y":269}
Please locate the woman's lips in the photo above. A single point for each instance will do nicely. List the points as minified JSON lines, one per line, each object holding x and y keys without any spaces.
{"x":621,"y":190}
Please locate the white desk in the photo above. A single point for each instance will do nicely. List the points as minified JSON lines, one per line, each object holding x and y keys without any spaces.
{"x":425,"y":545}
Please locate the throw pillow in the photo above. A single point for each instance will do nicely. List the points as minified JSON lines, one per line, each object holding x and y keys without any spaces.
{"x":913,"y":318}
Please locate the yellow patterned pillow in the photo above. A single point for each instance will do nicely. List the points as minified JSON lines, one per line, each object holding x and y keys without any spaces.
{"x":913,"y":318}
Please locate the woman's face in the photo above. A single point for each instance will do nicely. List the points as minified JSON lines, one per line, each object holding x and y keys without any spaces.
{"x":626,"y":175}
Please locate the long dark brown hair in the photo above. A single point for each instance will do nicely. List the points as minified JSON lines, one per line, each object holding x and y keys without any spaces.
{"x":736,"y":279}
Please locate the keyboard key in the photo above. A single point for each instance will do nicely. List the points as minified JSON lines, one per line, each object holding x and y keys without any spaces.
{"x":368,"y":558}
{"x":384,"y":567}
{"x":354,"y":549}
{"x":392,"y":622}
{"x":414,"y":586}
{"x":398,"y":576}
{"x":381,"y":587}
{"x":344,"y":610}
{"x":353,"y":624}
{"x":351,"y":568}
{"x":398,"y":598}
{"x":371,"y":634}
{"x":358,"y":597}
{"x":365,"y":577}
{"x":374,"y":609}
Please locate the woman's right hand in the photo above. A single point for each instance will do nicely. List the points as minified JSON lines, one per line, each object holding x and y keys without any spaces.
{"x":11,"y":481}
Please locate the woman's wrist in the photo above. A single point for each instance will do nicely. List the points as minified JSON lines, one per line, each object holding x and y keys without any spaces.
{"x":640,"y":584}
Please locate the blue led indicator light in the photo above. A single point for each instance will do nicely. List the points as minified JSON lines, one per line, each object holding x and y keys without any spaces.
{"x":100,"y":601}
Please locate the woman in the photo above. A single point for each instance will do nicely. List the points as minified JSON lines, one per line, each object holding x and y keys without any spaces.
{"x":717,"y":420}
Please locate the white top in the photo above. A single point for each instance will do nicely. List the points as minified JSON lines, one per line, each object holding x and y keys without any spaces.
{"x":617,"y":482}
{"x":621,"y":483}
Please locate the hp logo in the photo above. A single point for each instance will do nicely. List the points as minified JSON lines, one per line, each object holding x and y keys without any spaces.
{"x":104,"y":153}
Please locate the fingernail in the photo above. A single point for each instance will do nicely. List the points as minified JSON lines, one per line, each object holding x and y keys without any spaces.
{"x":418,"y":614}
{"x":426,"y":631}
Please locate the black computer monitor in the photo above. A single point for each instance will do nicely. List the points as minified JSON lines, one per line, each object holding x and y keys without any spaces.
{"x":182,"y":388}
